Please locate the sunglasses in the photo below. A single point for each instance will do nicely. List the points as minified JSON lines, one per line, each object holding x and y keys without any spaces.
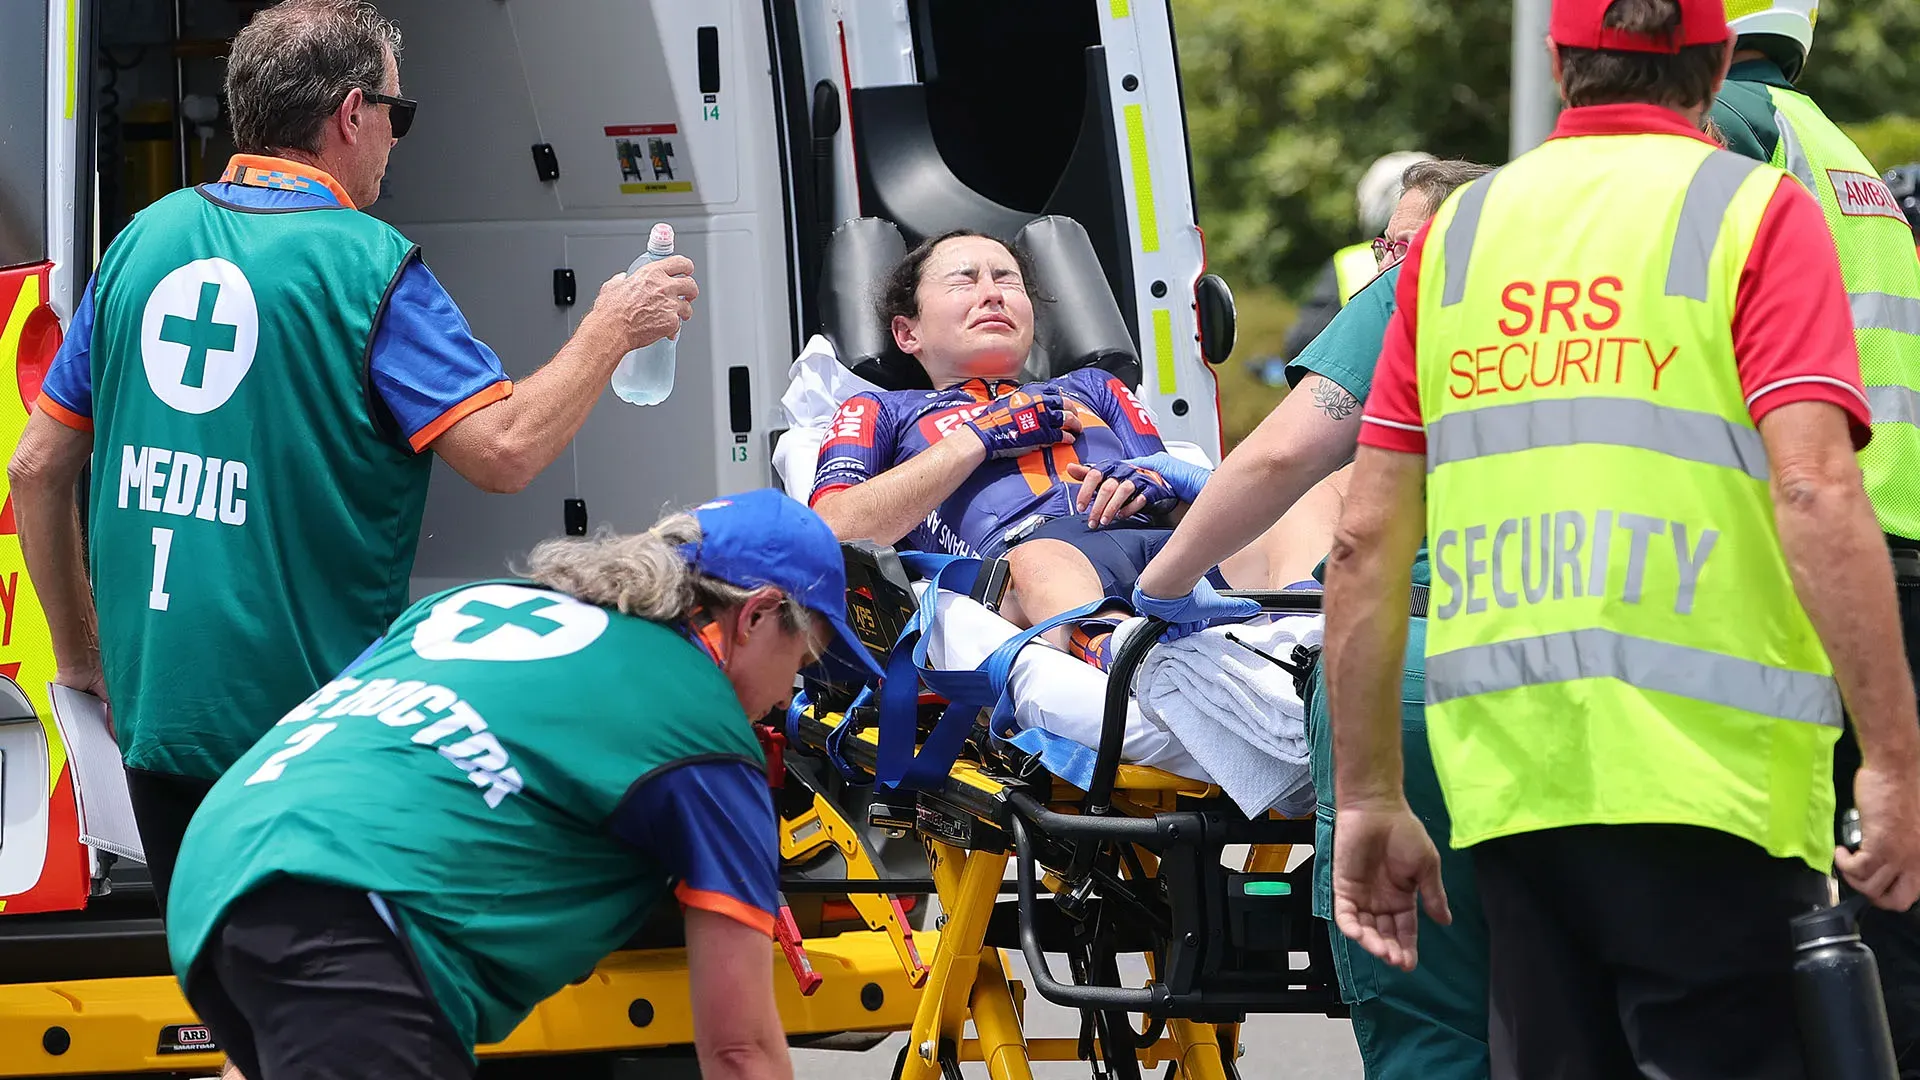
{"x":401,"y":114}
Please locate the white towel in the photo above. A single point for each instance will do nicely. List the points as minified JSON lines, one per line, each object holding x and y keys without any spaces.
{"x":816,"y":385}
{"x":1051,"y":690}
{"x":1234,"y":711}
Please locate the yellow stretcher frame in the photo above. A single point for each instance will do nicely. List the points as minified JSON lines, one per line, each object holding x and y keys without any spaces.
{"x":968,"y":981}
{"x":113,"y":1025}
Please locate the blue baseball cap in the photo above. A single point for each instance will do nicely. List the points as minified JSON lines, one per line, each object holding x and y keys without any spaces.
{"x":766,"y":538}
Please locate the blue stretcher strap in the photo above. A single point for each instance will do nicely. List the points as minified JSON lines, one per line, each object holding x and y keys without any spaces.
{"x":837,"y":738}
{"x":1061,"y":756}
{"x":896,"y":763}
{"x":967,"y":692}
{"x":795,"y":710}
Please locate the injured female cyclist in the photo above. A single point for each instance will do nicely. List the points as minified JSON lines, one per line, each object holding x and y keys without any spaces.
{"x":498,"y":794}
{"x":1066,"y":478}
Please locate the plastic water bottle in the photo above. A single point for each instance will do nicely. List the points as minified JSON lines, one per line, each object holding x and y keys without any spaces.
{"x":645,"y":375}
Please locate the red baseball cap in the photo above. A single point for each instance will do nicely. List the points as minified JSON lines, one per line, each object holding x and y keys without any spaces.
{"x":1578,"y":23}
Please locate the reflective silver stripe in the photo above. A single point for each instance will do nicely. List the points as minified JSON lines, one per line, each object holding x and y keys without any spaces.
{"x":1708,"y":196}
{"x":1894,"y":405}
{"x":1524,"y":425}
{"x":1885,"y":311}
{"x":1797,"y":163}
{"x":1460,"y":235}
{"x":1681,"y":670}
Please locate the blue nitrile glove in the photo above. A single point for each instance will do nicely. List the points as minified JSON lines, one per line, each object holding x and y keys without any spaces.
{"x":1147,"y":484}
{"x":1195,"y":611}
{"x":1022,"y":422}
{"x":1183,"y":477}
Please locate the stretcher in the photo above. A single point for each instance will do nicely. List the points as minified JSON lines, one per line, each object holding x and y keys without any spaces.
{"x":1134,"y":863}
{"x":1132,"y":860}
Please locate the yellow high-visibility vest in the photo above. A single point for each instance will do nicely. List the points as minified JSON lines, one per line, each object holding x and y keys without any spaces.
{"x":1613,"y":637}
{"x":1882,"y":275}
{"x":1353,"y":267}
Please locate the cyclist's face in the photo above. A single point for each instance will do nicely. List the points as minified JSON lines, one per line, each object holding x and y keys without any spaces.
{"x":976,"y":317}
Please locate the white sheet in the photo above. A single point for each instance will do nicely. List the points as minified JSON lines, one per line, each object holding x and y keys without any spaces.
{"x":1234,"y":711}
{"x":817,"y":382}
{"x":1051,"y":690}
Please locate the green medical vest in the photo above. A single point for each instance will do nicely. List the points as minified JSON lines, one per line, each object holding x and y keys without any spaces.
{"x":1614,"y":637}
{"x":253,"y":519}
{"x":465,"y":771}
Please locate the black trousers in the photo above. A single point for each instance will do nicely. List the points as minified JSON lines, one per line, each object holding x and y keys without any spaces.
{"x":1630,"y":950}
{"x":1893,"y":936}
{"x":163,"y":805}
{"x":305,"y":981}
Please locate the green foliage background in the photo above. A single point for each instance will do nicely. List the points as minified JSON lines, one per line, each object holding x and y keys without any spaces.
{"x":1289,"y":101}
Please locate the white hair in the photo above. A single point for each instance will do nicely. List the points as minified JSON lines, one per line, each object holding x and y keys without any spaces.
{"x":1380,"y":189}
{"x":643,"y":574}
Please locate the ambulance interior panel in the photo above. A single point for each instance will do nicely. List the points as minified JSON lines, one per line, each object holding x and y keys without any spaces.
{"x":625,"y":98}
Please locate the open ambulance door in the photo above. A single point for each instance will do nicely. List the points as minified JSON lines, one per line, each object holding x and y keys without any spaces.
{"x":45,"y":212}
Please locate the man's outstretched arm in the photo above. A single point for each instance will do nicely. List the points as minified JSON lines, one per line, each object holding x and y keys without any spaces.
{"x":1305,"y":438}
{"x":1384,"y":864}
{"x":503,"y":446}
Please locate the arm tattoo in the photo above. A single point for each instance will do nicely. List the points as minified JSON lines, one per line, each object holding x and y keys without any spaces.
{"x":1333,"y":399}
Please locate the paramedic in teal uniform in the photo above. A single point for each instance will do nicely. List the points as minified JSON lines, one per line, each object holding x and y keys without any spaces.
{"x":1430,"y":1022}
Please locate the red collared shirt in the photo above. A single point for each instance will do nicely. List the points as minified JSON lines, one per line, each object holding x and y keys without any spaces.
{"x":1792,"y":326}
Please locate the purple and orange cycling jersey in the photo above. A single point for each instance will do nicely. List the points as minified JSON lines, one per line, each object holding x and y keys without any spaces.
{"x":874,"y":432}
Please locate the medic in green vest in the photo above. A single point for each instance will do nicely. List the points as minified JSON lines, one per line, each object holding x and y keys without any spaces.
{"x":1622,"y":381}
{"x":499,"y":794}
{"x":1764,"y":117}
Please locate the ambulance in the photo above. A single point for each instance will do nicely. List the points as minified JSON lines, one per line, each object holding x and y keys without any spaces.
{"x":552,"y":134}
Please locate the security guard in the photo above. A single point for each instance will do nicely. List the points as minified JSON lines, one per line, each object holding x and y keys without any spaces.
{"x":1429,"y":1024}
{"x":1764,"y":117}
{"x":1658,"y":576}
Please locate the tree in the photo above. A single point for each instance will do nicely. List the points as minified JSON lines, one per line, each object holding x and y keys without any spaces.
{"x":1287,"y":104}
{"x":1865,"y":62}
